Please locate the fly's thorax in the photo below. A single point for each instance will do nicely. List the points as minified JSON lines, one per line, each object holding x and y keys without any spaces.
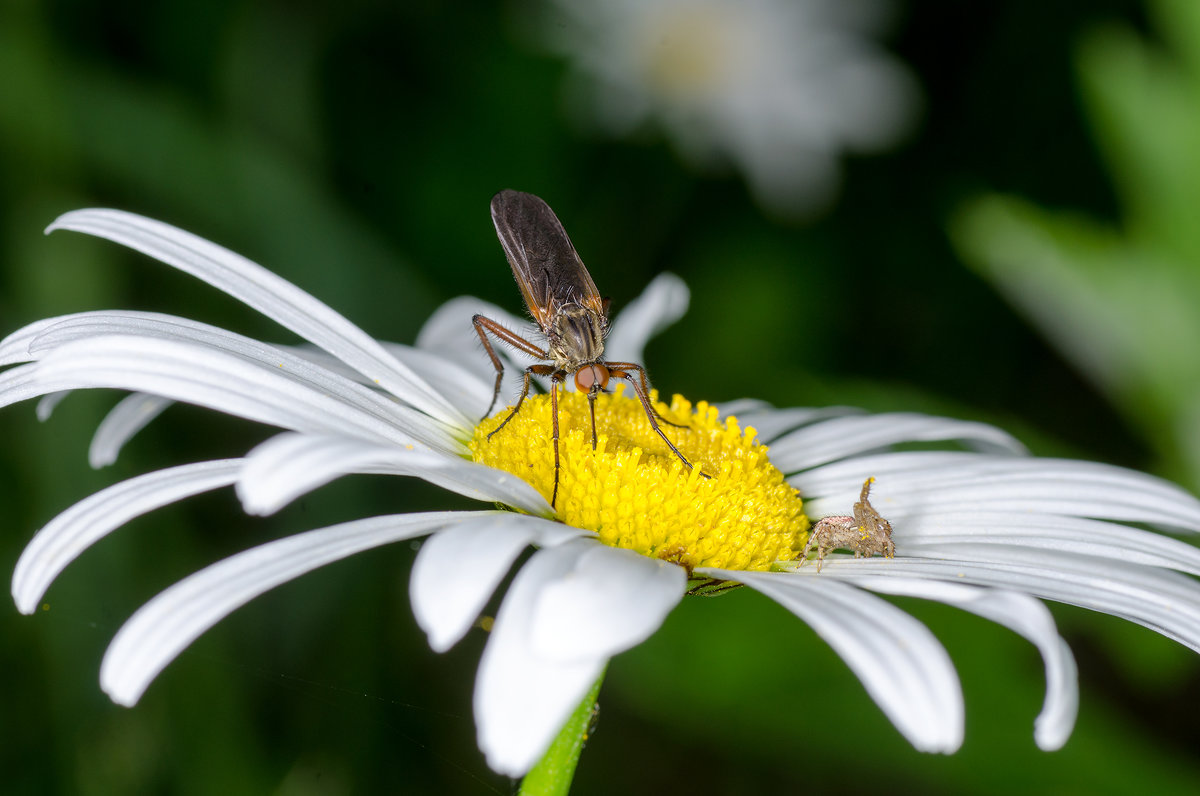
{"x":576,"y":336}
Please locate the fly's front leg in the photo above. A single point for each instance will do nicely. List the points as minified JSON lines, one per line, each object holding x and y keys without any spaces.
{"x":483,"y":325}
{"x":650,"y":413}
{"x":631,"y":366}
{"x":540,"y":370}
{"x":555,"y":379}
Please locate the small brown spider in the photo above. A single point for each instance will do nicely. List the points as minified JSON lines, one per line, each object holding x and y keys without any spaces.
{"x":867,"y":533}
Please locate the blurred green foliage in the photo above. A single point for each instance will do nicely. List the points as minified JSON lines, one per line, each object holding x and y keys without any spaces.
{"x":1120,"y":296}
{"x":353,"y":148}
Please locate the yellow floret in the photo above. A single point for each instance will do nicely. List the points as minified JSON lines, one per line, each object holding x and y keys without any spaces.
{"x":635,"y":493}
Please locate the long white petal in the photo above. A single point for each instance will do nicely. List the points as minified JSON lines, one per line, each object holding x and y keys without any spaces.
{"x":131,"y":414}
{"x":771,"y":423}
{"x":86,"y":326}
{"x":165,"y":626}
{"x":740,"y":406}
{"x":266,"y":292}
{"x":290,"y":465}
{"x":42,"y":336}
{"x":459,"y":568}
{"x":49,"y":403}
{"x":216,"y":379}
{"x":464,"y":388}
{"x":529,"y":680}
{"x":911,"y":483}
{"x":312,"y":365}
{"x":931,"y":534}
{"x":65,"y":537}
{"x":136,"y":411}
{"x":613,"y":600}
{"x":843,"y":437}
{"x":449,"y":332}
{"x":903,"y":667}
{"x":22,"y":383}
{"x":662,"y":303}
{"x":1023,"y":615}
{"x":1164,"y":601}
{"x":15,"y":347}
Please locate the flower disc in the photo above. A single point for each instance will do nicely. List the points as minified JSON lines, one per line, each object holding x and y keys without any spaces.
{"x":634,"y":492}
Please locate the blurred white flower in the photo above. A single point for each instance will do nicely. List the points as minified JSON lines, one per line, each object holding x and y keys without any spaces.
{"x":982,"y":526}
{"x":780,"y":88}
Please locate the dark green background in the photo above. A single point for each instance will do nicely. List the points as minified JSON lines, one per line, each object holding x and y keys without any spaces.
{"x":352,"y":148}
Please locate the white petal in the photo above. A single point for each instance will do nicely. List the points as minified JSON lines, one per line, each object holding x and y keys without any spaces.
{"x":522,"y":697}
{"x":445,"y":330}
{"x":912,"y":483}
{"x":464,"y":388}
{"x":614,"y":600}
{"x":449,"y":333}
{"x":15,"y":347}
{"x":165,"y":626}
{"x":771,"y":423}
{"x":65,"y":537}
{"x":843,"y":437}
{"x":1166,"y":602}
{"x":266,"y":292}
{"x":87,"y":326}
{"x":49,"y":403}
{"x":290,"y":465}
{"x":662,"y":303}
{"x":903,"y":667}
{"x":459,"y":568}
{"x":1023,"y":615}
{"x":326,"y":360}
{"x":932,"y":535}
{"x":131,"y":414}
{"x":22,"y":383}
{"x":47,"y":334}
{"x":216,"y":379}
{"x":740,"y":406}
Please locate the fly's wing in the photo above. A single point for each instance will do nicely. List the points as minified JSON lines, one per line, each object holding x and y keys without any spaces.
{"x":545,"y":264}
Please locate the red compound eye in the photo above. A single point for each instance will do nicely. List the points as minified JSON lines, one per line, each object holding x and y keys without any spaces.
{"x":588,"y":375}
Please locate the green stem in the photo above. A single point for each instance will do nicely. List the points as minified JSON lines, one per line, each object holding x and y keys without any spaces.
{"x":553,"y":774}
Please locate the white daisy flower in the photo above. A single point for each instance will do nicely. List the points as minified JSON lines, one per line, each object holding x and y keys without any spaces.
{"x":980,"y":525}
{"x":779,"y":88}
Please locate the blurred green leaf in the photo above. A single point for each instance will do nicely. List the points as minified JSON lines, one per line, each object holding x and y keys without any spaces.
{"x":1120,"y":300}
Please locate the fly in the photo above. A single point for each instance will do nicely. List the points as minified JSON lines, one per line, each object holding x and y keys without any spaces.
{"x":562,"y":298}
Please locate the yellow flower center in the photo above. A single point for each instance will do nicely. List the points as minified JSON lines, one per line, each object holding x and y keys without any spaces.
{"x":635,"y":493}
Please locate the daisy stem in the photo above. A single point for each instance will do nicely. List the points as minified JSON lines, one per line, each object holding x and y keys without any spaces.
{"x":553,"y":774}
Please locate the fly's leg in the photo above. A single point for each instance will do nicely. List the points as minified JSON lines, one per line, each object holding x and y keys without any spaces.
{"x":556,"y":379}
{"x":539,"y":370}
{"x":651,"y":415}
{"x":631,"y":366}
{"x":483,"y":325}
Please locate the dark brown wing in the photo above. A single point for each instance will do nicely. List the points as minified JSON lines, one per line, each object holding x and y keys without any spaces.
{"x":545,"y":264}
